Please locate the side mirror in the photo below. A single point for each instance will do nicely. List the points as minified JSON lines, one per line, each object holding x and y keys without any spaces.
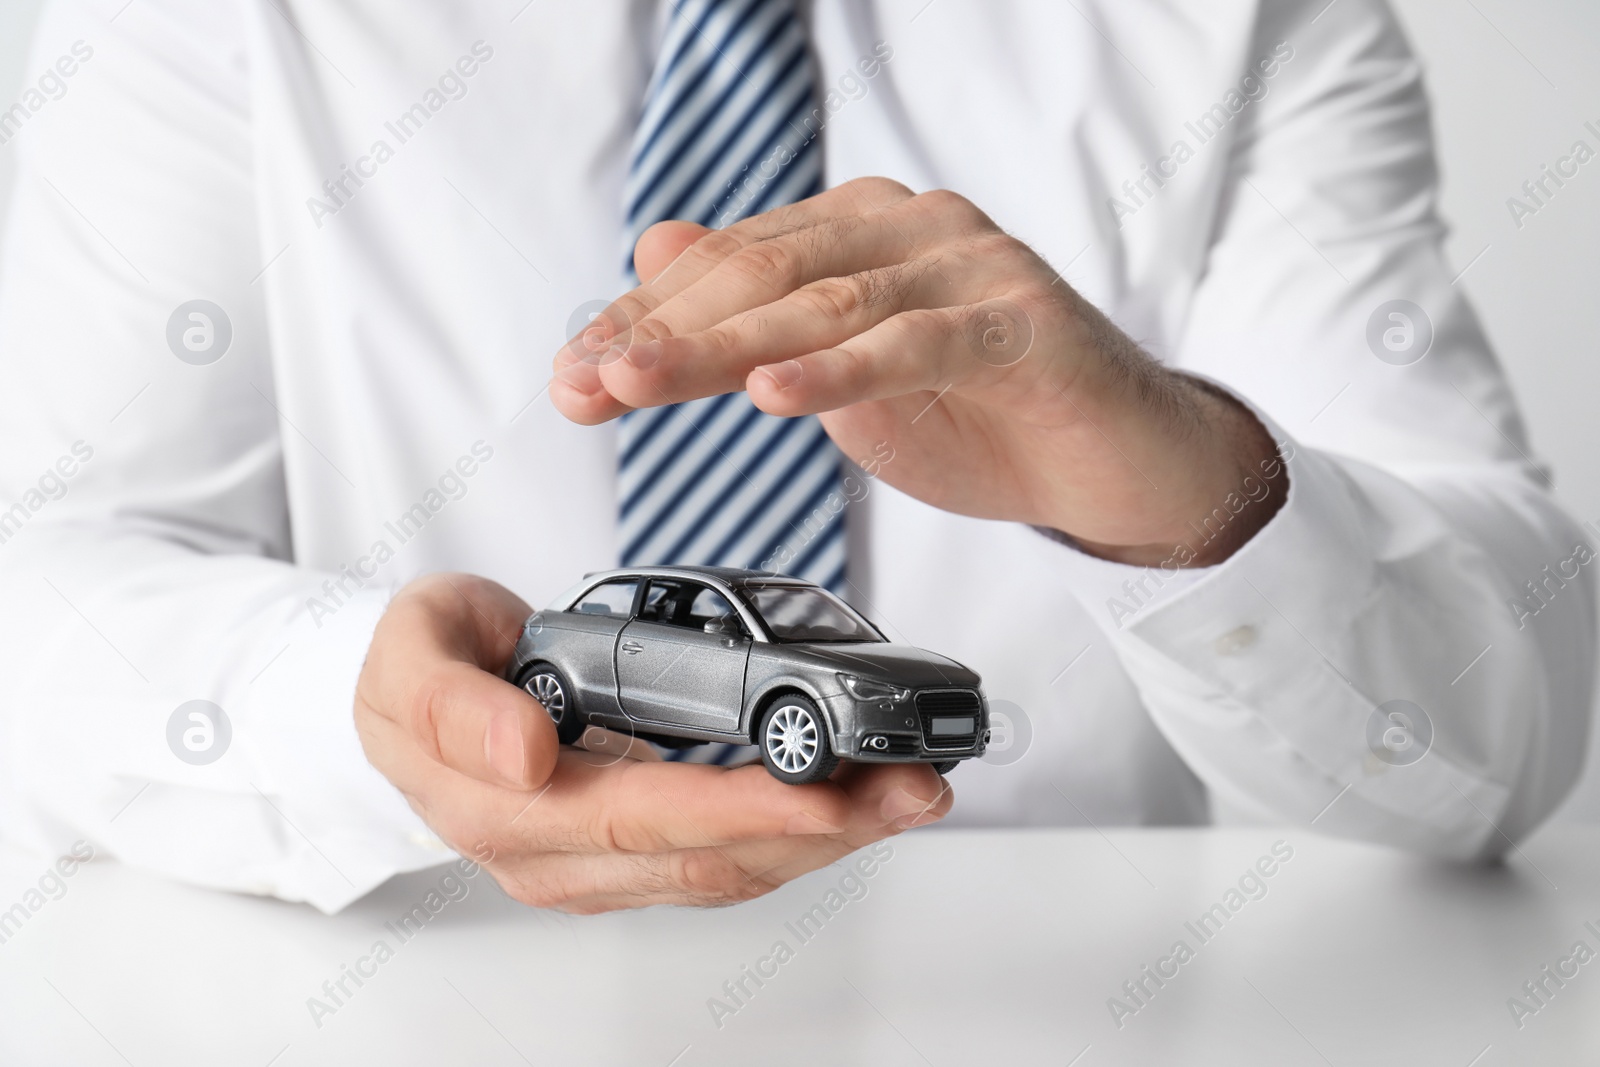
{"x":726,"y":627}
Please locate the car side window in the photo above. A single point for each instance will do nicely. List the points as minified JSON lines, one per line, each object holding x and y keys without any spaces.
{"x":660,"y":601}
{"x":685,"y":604}
{"x":613,"y":598}
{"x":707,"y":605}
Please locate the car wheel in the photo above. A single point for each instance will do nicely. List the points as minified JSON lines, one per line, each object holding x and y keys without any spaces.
{"x":794,"y":741}
{"x":945,"y":766}
{"x":549,"y":687}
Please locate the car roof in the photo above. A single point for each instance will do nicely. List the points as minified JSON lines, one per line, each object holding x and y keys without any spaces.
{"x":734,"y":576}
{"x":730,"y":577}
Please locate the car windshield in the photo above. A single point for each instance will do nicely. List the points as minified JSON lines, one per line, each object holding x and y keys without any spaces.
{"x":801,"y":613}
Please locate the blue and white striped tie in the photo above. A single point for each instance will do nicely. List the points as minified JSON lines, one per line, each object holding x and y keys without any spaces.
{"x":728,"y":131}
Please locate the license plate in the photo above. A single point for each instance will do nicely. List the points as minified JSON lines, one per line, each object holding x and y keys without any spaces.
{"x":954,"y":727}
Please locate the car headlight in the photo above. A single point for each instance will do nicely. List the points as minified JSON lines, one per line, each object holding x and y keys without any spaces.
{"x":871,"y":689}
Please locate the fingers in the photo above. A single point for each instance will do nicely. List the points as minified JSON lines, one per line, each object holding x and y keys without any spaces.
{"x":669,"y":262}
{"x":668,"y":267}
{"x":565,"y":845}
{"x":663,"y":243}
{"x":855,"y":227}
{"x":593,"y":806}
{"x":702,"y":877}
{"x":896,"y":795}
{"x":886,"y":800}
{"x":654,"y":807}
{"x":891,"y":798}
{"x":859,"y":196}
{"x":801,"y":233}
{"x":909,"y":353}
{"x":743,"y":298}
{"x":476,"y":619}
{"x":921,"y":350}
{"x":819,"y":315}
{"x":485,"y":728}
{"x":610,"y":744}
{"x":427,"y":672}
{"x":619,"y":360}
{"x":586,"y":885}
{"x":772,"y":268}
{"x":916,"y":351}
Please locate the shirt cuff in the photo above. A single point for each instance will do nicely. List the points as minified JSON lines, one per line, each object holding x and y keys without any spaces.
{"x":346,"y":828}
{"x":1118,"y":592}
{"x":1253,"y":666}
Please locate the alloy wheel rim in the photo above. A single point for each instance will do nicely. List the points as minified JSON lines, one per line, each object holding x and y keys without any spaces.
{"x":792,"y":738}
{"x":546,"y":689}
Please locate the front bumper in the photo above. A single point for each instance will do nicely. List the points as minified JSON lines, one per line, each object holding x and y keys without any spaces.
{"x":877,"y":731}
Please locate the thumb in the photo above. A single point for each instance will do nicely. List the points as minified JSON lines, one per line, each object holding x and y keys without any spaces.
{"x":433,"y":669}
{"x":662,"y":243}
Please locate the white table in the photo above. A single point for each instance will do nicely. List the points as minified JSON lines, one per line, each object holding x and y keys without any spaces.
{"x":968,"y":947}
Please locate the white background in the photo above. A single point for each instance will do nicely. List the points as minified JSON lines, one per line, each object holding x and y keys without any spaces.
{"x":1512,"y":85}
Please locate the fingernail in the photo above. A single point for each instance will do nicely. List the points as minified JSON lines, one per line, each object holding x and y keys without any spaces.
{"x":580,"y":376}
{"x":916,"y":820}
{"x":594,"y":339}
{"x":642,"y":354}
{"x":906,"y":811}
{"x":804,"y":822}
{"x":502,"y":744}
{"x":784,"y":374}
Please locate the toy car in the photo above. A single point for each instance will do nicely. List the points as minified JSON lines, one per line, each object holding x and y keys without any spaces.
{"x":687,"y":655}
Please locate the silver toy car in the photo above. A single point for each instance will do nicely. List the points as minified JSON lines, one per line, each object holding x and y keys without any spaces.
{"x":687,"y":655}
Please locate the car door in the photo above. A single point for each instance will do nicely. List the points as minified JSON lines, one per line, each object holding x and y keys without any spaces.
{"x":670,"y":670}
{"x":582,"y":643}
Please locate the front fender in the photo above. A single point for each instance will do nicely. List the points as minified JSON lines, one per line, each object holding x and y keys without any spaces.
{"x":762,"y":693}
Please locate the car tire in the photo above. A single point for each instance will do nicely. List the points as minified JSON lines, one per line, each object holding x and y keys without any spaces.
{"x":945,"y":766}
{"x":546,"y":684}
{"x":794,"y":741}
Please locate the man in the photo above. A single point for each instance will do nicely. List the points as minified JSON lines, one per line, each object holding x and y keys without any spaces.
{"x":1170,"y":421}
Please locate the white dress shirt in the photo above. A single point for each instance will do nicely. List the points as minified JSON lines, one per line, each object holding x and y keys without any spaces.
{"x":231,"y":531}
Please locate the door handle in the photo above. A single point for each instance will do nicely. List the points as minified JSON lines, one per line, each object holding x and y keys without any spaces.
{"x":632,"y":648}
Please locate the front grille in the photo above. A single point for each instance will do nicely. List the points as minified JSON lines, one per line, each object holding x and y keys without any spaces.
{"x":934,"y":704}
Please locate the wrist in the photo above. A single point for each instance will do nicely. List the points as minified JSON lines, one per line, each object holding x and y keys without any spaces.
{"x":1216,"y":480}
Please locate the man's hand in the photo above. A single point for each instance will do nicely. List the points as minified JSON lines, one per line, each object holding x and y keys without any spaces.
{"x":478,"y":760}
{"x":916,"y":320}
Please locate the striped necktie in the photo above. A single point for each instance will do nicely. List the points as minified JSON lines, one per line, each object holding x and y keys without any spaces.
{"x":727,"y":132}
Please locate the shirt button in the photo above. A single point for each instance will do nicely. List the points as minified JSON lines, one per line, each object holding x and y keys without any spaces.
{"x":1236,"y":641}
